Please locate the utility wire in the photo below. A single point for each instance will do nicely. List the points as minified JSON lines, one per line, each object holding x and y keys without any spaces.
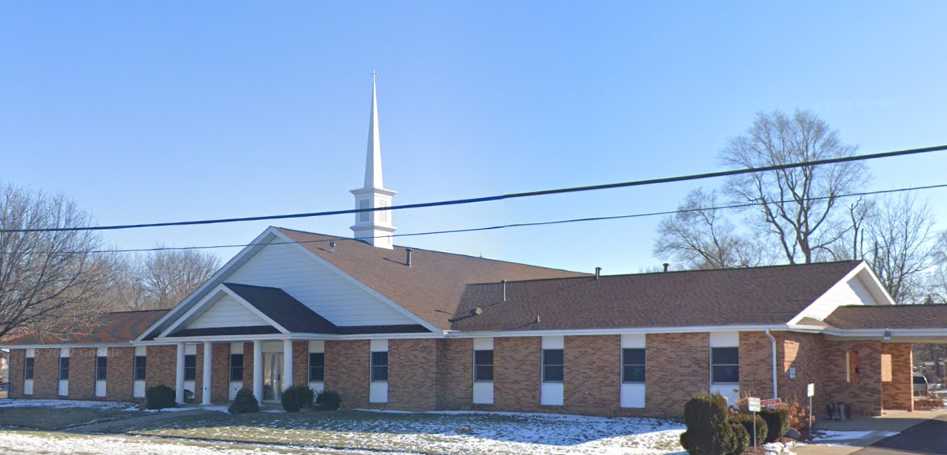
{"x":499,"y":197}
{"x":520,"y":225}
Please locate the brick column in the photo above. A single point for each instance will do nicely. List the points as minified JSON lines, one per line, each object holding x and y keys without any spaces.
{"x":898,"y":393}
{"x":516,"y":375}
{"x":347,"y":371}
{"x":82,"y":373}
{"x":592,"y":374}
{"x":46,"y":373}
{"x":16,"y":372}
{"x":161,"y":366}
{"x":121,"y":374}
{"x":678,"y":367}
{"x":220,"y":379}
{"x":412,"y":374}
{"x":455,"y":373}
{"x":301,"y":363}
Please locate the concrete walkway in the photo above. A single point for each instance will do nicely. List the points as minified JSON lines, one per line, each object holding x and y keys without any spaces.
{"x":875,"y":433}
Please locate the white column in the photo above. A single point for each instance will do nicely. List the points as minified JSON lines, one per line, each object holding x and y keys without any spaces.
{"x":287,"y":381}
{"x":258,"y":370}
{"x":179,"y":374}
{"x":206,"y":377}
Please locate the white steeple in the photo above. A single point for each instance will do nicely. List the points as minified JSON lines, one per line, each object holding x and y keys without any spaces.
{"x":374,"y":228}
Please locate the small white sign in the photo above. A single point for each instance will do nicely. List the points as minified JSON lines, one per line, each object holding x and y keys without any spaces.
{"x":753,"y":404}
{"x":810,"y":390}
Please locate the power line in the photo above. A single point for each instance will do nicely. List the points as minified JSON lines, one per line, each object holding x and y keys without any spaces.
{"x":520,"y":225}
{"x":499,"y":197}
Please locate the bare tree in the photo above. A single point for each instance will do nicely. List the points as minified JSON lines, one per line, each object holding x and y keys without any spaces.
{"x":169,"y":276}
{"x":798,"y":207}
{"x":937,"y":279}
{"x":46,"y":278}
{"x":900,"y":249}
{"x":700,"y":236}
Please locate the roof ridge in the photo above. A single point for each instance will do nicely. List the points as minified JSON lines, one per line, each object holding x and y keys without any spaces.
{"x":669,"y":272}
{"x":468,"y":256}
{"x":139,"y":311}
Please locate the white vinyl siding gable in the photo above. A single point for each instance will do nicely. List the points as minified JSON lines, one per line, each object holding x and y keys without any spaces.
{"x":317,"y":285}
{"x":858,"y":289}
{"x":226,"y":311}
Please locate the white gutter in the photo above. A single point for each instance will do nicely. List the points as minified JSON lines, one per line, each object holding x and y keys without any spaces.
{"x":772,"y":341}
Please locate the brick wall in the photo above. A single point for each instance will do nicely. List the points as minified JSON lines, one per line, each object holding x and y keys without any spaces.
{"x":864,"y":397}
{"x":16,"y":372}
{"x":455,"y":373}
{"x":803,"y":352}
{"x":592,"y":383}
{"x":347,"y":371}
{"x":82,"y":373}
{"x":248,"y":365}
{"x":199,"y":373}
{"x":301,"y":363}
{"x":516,"y":375}
{"x":220,"y":373}
{"x":756,"y":365}
{"x":678,"y":369}
{"x":899,"y":392}
{"x":46,"y":373}
{"x":121,"y":374}
{"x":162,"y":361}
{"x":412,"y":374}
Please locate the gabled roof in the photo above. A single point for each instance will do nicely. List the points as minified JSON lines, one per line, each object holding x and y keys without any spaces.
{"x":746,"y":296}
{"x":889,"y":317}
{"x":283,"y":308}
{"x":432,"y":287}
{"x":114,"y":327}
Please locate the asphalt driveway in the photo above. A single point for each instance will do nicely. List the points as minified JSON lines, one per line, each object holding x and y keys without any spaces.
{"x":929,"y":437}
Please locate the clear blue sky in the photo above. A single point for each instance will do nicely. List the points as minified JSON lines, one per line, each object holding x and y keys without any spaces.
{"x":144,"y":111}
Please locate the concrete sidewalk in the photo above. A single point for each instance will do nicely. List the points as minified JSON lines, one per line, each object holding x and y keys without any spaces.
{"x":865,"y":431}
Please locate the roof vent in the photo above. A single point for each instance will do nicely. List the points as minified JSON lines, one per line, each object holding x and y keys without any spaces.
{"x":332,"y":244}
{"x":598,"y":272}
{"x":477,"y":311}
{"x":407,"y":257}
{"x":503,"y":284}
{"x":538,"y":319}
{"x":666,"y":265}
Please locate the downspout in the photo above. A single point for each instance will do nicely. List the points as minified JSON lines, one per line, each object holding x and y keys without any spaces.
{"x":772,"y":341}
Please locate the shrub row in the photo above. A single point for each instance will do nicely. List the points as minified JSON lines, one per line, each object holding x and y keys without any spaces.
{"x":293,"y":399}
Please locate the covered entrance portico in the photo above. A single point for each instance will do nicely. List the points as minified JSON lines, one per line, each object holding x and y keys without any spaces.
{"x":271,"y":369}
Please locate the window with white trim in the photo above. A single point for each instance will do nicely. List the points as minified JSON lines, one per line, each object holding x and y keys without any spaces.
{"x":317,"y":366}
{"x":64,"y":368}
{"x":28,"y":370}
{"x":553,"y":365}
{"x":632,"y":365}
{"x":725,"y":365}
{"x":141,"y":365}
{"x":380,"y":366}
{"x":236,"y":367}
{"x":101,"y":368}
{"x":190,"y":367}
{"x":483,"y":365}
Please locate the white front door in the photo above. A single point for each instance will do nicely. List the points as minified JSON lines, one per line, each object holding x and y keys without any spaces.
{"x":272,"y":375}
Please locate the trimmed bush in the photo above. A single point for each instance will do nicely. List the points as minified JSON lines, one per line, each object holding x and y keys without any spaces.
{"x":741,"y":437}
{"x":747,"y":421}
{"x":244,"y":402}
{"x":777,"y":421}
{"x":328,"y":400}
{"x":296,"y":398}
{"x":709,"y":432}
{"x":159,"y":397}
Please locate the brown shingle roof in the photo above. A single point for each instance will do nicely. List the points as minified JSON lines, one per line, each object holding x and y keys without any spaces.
{"x":889,"y":317}
{"x":114,"y":327}
{"x":432,"y":287}
{"x":760,"y":295}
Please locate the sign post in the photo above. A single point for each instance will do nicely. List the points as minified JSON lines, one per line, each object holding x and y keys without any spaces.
{"x":810,"y":392}
{"x":753,"y":405}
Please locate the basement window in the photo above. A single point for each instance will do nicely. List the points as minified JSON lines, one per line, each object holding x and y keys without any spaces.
{"x":317,"y":366}
{"x":483,"y":366}
{"x":28,"y":370}
{"x":101,"y":368}
{"x":725,"y":365}
{"x":632,"y":365}
{"x":553,"y":365}
{"x":141,"y":364}
{"x":236,"y":367}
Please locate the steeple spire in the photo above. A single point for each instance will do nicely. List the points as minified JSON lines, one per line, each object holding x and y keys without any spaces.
{"x":374,"y":227}
{"x":373,"y":174}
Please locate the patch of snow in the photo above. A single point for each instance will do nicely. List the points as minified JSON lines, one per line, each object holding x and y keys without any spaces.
{"x":27,"y":403}
{"x":15,"y":442}
{"x":841,"y":436}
